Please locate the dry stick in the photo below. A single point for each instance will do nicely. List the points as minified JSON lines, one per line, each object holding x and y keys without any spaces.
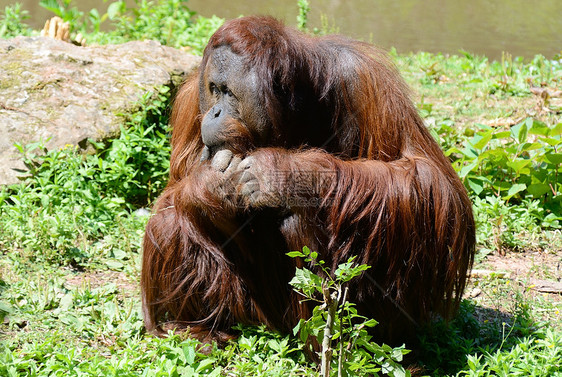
{"x":331,"y":305}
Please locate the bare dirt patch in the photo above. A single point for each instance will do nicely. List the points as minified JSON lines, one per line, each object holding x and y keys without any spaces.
{"x":528,"y":265}
{"x":504,"y":286}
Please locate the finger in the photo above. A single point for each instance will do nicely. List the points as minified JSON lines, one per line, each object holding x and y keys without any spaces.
{"x":233,"y":166}
{"x":205,"y":154}
{"x":246,"y":163}
{"x":246,"y":176}
{"x":221,"y":160}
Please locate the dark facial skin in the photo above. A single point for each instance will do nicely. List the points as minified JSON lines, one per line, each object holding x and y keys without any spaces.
{"x":229,"y":93}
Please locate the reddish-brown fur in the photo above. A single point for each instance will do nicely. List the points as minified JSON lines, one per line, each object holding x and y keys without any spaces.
{"x":395,"y":201}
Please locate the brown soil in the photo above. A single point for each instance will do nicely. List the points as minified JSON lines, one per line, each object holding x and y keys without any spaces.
{"x":503,"y":285}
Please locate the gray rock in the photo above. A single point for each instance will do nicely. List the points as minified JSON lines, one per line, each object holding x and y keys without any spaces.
{"x":65,"y":94}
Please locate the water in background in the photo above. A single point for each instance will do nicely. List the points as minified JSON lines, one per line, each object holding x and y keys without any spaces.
{"x":484,"y":27}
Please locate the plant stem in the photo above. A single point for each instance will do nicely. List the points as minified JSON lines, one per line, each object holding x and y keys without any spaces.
{"x":331,"y":306}
{"x":340,"y":356}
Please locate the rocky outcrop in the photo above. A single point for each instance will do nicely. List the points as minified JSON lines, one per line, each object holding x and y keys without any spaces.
{"x":59,"y":93}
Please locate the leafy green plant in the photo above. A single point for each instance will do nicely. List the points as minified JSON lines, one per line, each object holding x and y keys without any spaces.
{"x":64,"y":9}
{"x":507,"y":226}
{"x":514,"y":178}
{"x":170,"y":22}
{"x":336,"y":319}
{"x":12,"y":21}
{"x":260,"y":351}
{"x":522,"y":161}
{"x":135,"y":165}
{"x":499,"y":345}
{"x":531,"y":357}
{"x":302,"y":17}
{"x":160,"y":21}
{"x":69,"y":199}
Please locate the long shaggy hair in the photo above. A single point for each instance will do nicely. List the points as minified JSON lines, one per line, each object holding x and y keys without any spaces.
{"x":335,"y":106}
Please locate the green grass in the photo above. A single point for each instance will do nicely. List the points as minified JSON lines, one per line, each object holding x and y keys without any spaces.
{"x":70,"y":235}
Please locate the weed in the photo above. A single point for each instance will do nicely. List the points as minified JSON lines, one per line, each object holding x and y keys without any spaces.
{"x":12,"y":21}
{"x":336,"y":319}
{"x":70,"y":200}
{"x":63,"y":9}
{"x":520,"y":163}
{"x":302,"y":17}
{"x":170,"y":22}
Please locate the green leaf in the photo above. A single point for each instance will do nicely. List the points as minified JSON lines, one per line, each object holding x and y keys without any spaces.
{"x":297,"y":328}
{"x":468,"y":168}
{"x":551,"y":221}
{"x":501,"y":185}
{"x":304,"y":333}
{"x":114,"y":265}
{"x":476,"y":185}
{"x":483,"y":126}
{"x":495,"y":155}
{"x":346,"y":271}
{"x":538,"y":189}
{"x":501,"y":135}
{"x":551,"y":141}
{"x":556,"y":131}
{"x":115,"y":9}
{"x":525,"y":147}
{"x":539,"y":128}
{"x":205,"y":363}
{"x":520,"y":130}
{"x":518,"y":164}
{"x":189,"y":353}
{"x":518,"y":187}
{"x":94,"y":14}
{"x":119,"y":254}
{"x":555,"y":158}
{"x":306,"y":281}
{"x":452,"y":150}
{"x":66,"y":301}
{"x":294,"y":254}
{"x":370,"y":323}
{"x":469,"y":152}
{"x":480,"y":140}
{"x":51,"y":5}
